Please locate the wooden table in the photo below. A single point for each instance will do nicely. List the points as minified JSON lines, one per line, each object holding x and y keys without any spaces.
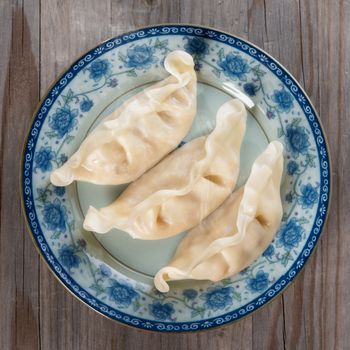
{"x":39,"y":38}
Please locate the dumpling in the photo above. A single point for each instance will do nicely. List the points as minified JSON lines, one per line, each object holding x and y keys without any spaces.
{"x":237,"y":233}
{"x":183,"y":188}
{"x":139,"y":133}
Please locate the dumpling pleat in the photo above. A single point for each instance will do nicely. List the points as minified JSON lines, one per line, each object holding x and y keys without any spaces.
{"x":234,"y":235}
{"x":138,"y":136}
{"x":187,"y":185}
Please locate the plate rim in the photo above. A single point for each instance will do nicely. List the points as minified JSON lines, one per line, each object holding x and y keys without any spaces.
{"x":160,"y":326}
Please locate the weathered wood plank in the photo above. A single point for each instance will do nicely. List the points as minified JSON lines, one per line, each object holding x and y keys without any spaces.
{"x":230,"y":16}
{"x":321,"y":293}
{"x":19,"y":267}
{"x":302,"y":297}
{"x":128,"y":15}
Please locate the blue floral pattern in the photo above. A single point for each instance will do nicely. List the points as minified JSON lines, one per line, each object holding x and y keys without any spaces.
{"x":269,"y":251}
{"x":283,"y":99}
{"x":99,"y":68}
{"x":290,"y":234}
{"x":161,"y":311}
{"x":43,"y":159}
{"x":234,"y":66}
{"x":196,"y":46}
{"x":86,"y":105}
{"x":297,"y":139}
{"x":63,"y":120}
{"x":112,"y":82}
{"x":309,"y":196}
{"x":121,"y":294}
{"x":62,"y":158}
{"x":258,"y":283}
{"x":190,"y":293}
{"x":55,"y":216}
{"x":292,"y":167}
{"x":140,"y":57}
{"x":60,"y":191}
{"x":105,"y":270}
{"x":283,"y":107}
{"x":289,"y":197}
{"x":270,"y":114}
{"x":68,"y":257}
{"x":218,"y":298}
{"x":250,"y":89}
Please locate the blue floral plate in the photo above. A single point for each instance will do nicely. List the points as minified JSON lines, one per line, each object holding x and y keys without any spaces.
{"x":112,"y":273}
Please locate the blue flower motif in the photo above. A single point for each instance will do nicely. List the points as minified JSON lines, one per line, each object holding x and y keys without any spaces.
{"x":55,"y":216}
{"x":86,"y":105}
{"x":289,"y":197}
{"x":217,"y":298}
{"x":63,"y":120}
{"x":259,"y":282}
{"x":270,"y":114}
{"x":234,"y":66}
{"x":297,"y":139}
{"x":190,"y":293}
{"x":250,"y":89}
{"x":269,"y":251}
{"x":161,"y":311}
{"x":290,"y":234}
{"x":43,"y":159}
{"x":112,"y":83}
{"x":121,"y":294}
{"x":309,"y":196}
{"x":105,"y":270}
{"x":283,"y":99}
{"x":60,"y":191}
{"x":292,"y":167}
{"x":140,"y":57}
{"x":63,"y":158}
{"x":99,"y":68}
{"x":197,"y":66}
{"x":196,"y":46}
{"x":68,"y":257}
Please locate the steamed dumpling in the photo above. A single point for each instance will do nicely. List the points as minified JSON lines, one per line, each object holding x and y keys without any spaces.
{"x":139,"y":133}
{"x":183,"y":188}
{"x":237,"y":233}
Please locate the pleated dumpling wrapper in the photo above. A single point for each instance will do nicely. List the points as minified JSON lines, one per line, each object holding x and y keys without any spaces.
{"x":139,"y":133}
{"x":183,"y":188}
{"x":235,"y":234}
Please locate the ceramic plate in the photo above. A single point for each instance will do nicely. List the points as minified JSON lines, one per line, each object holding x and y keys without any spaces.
{"x":112,"y":273}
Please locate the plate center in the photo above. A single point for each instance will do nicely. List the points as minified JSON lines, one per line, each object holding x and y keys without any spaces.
{"x":148,"y":257}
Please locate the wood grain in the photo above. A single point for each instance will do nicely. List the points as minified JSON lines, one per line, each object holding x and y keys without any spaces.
{"x":40,"y":38}
{"x":19,"y":268}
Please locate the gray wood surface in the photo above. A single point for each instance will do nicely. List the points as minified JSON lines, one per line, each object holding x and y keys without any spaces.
{"x":39,"y":38}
